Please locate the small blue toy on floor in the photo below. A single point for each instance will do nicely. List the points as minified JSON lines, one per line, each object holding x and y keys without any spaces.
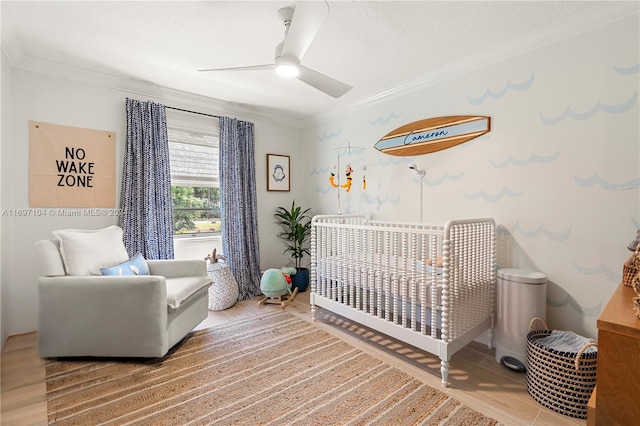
{"x":275,"y":284}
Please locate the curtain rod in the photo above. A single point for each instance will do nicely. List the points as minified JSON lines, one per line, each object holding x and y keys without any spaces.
{"x":192,"y":112}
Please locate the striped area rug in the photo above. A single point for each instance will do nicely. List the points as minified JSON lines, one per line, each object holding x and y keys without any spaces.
{"x":274,"y":369}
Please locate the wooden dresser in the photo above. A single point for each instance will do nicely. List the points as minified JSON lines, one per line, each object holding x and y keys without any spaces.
{"x":617,"y":393}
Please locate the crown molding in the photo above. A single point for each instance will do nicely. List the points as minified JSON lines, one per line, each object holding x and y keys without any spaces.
{"x":598,"y":16}
{"x":593,"y":18}
{"x":10,"y":47}
{"x":143,"y":88}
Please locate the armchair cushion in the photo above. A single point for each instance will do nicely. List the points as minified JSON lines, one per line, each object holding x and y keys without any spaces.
{"x":49,"y":259}
{"x":84,"y":252}
{"x":180,"y":289}
{"x":134,"y":266}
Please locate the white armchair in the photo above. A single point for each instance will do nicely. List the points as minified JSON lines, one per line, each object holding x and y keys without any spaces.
{"x":114,"y":316}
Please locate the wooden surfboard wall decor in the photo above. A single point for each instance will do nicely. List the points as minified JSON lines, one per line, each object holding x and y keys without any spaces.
{"x":433,"y":134}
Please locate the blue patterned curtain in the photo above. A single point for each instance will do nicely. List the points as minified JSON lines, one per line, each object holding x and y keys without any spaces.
{"x":145,"y":197}
{"x":239,"y":204}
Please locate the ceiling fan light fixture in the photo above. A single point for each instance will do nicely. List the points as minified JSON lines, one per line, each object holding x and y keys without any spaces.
{"x":288,"y":70}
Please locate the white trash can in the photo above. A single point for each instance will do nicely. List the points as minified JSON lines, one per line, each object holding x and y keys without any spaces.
{"x":522,"y":295}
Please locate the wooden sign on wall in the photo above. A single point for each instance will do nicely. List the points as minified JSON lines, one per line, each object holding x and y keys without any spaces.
{"x":71,"y":166}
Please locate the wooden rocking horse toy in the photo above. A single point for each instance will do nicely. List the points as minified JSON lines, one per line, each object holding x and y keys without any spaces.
{"x":276,"y":286}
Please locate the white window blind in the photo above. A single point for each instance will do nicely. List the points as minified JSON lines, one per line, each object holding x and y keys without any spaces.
{"x":194,"y":155}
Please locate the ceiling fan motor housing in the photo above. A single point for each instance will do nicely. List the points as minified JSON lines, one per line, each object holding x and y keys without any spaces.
{"x":285,"y":14}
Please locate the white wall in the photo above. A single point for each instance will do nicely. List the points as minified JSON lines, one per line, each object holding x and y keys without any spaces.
{"x":533,"y":176}
{"x":275,"y":139}
{"x":40,"y":97}
{"x":5,"y":155}
{"x":559,"y":171}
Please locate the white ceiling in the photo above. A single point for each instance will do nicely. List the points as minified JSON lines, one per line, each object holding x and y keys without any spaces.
{"x":375,"y":46}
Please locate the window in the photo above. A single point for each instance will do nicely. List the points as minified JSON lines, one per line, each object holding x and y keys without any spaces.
{"x":195,"y":186}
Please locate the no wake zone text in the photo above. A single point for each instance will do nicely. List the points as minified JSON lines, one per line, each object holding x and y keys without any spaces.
{"x":73,"y":171}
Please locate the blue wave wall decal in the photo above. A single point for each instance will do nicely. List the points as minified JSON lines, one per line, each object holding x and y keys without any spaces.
{"x":382,"y":121}
{"x":324,"y":190}
{"x":504,"y":192}
{"x":446,"y":176}
{"x":599,"y":106}
{"x":321,"y":171}
{"x":615,"y":277}
{"x":349,"y":151}
{"x":394,"y":161}
{"x":597,"y":180}
{"x":633,"y":69}
{"x":556,"y":236}
{"x":379,"y":200}
{"x":327,"y":136}
{"x":495,"y":95}
{"x":589,"y":312}
{"x":534,"y":158}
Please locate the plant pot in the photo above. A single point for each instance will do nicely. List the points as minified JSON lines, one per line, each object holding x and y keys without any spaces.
{"x":300,"y":279}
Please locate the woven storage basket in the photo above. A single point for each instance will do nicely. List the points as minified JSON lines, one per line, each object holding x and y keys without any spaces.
{"x":223,"y":293}
{"x":561,"y":381}
{"x":630,"y":268}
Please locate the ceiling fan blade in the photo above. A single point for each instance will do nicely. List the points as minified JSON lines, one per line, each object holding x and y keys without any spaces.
{"x":307,"y":20}
{"x":326,"y":84}
{"x":248,"y":68}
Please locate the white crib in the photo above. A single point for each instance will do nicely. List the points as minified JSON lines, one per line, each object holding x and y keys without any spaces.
{"x":384,"y":275}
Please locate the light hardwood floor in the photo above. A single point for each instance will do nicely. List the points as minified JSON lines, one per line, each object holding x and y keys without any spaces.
{"x":475,"y":377}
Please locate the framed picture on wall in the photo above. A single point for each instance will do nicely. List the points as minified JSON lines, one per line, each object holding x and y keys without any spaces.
{"x":278,"y":170}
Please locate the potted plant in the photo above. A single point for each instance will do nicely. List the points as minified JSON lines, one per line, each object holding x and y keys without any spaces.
{"x":296,"y":225}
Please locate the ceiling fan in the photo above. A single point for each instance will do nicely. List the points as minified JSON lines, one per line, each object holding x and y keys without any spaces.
{"x":301,"y":27}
